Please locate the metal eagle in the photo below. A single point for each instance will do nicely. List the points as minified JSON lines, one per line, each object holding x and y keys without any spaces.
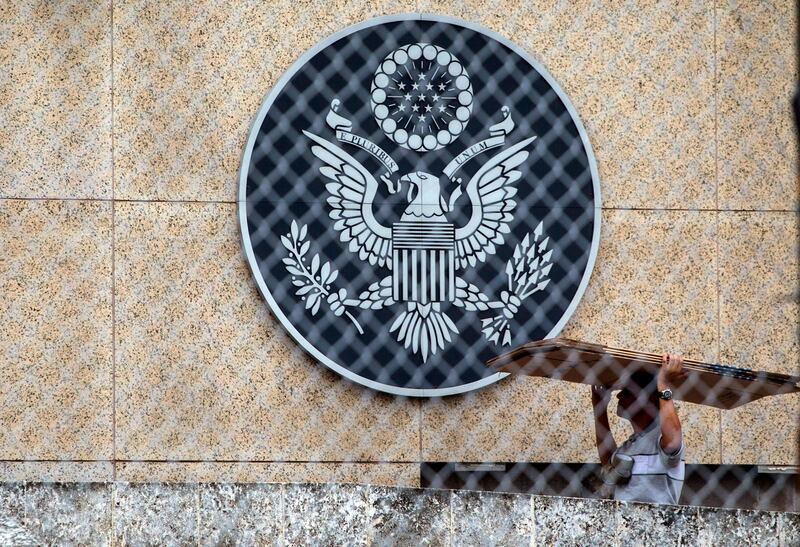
{"x":424,"y":252}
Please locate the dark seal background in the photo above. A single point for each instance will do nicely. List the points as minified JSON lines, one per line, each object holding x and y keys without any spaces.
{"x":284,"y":183}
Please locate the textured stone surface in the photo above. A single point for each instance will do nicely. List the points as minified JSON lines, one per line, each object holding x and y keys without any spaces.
{"x":789,"y":524}
{"x":764,"y":432}
{"x":266,"y":514}
{"x":641,"y":524}
{"x":569,"y":521}
{"x":217,"y":378}
{"x":655,"y":275}
{"x":69,"y":513}
{"x":642,"y":109}
{"x":409,"y":517}
{"x":732,"y":528}
{"x":641,"y":76}
{"x":233,"y":514}
{"x":756,"y":77}
{"x":759,"y":302}
{"x":387,"y":474}
{"x":11,"y":498}
{"x":56,"y":471}
{"x":55,"y":331}
{"x":189,"y":80}
{"x":759,"y":310}
{"x":481,"y":518}
{"x":55,"y":99}
{"x":155,"y":514}
{"x":55,"y":514}
{"x":326,"y":514}
{"x":13,"y":530}
{"x":517,"y":419}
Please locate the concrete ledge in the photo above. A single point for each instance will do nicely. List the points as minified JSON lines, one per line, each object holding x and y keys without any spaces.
{"x":295,"y":514}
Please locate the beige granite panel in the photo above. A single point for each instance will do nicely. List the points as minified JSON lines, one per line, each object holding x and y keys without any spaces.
{"x":55,"y":330}
{"x":759,"y":305}
{"x":63,"y":471}
{"x":760,"y":329}
{"x":204,"y":372}
{"x":516,"y":419}
{"x":55,"y":99}
{"x":765,"y":432}
{"x":756,"y":79}
{"x":189,"y":78}
{"x":641,"y":76}
{"x":653,"y":289}
{"x":648,"y":104}
{"x":384,"y":474}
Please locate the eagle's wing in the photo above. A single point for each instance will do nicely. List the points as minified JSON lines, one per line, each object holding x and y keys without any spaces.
{"x":351,"y":186}
{"x":490,"y":191}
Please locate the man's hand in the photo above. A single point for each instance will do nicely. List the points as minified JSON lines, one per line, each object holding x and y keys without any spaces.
{"x":671,"y":370}
{"x":601,"y":395}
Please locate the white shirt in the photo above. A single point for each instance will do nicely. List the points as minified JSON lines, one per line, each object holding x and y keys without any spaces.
{"x":656,"y":476}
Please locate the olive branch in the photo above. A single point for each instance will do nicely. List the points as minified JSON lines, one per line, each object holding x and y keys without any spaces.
{"x":527,"y":273}
{"x":313,"y":279}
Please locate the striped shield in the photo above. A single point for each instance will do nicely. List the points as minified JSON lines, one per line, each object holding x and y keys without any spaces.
{"x":423,"y":262}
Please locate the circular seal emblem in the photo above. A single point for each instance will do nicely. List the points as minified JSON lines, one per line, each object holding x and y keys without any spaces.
{"x":417,"y":196}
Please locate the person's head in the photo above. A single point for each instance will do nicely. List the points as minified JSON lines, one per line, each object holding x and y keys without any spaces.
{"x":638,"y":400}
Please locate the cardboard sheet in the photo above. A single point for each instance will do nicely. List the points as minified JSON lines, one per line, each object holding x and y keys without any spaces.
{"x":720,"y":386}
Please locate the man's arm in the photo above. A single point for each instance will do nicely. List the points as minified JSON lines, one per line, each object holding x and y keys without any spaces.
{"x":671,"y":371}
{"x":605,"y":440}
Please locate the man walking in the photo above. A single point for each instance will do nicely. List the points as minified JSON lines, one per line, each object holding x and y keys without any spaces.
{"x":649,"y":466}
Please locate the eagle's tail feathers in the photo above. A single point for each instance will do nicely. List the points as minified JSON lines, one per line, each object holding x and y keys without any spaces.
{"x":424,"y":328}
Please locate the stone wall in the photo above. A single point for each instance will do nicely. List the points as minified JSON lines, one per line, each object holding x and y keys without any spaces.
{"x":133,"y":341}
{"x":293,"y":514}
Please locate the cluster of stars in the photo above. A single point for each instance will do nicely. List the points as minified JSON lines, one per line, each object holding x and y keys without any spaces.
{"x":421,"y":97}
{"x":421,"y":101}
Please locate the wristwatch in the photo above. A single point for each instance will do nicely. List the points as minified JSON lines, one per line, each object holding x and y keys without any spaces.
{"x":666,"y":394}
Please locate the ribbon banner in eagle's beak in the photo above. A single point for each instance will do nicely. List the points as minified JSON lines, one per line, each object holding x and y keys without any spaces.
{"x":343,"y":131}
{"x":342,"y":126}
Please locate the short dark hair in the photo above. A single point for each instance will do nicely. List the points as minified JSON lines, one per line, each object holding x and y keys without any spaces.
{"x":642,"y":381}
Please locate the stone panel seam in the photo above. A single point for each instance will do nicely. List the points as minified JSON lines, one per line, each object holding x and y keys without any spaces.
{"x":716,"y":109}
{"x":419,"y":430}
{"x":197,"y":508}
{"x":282,"y":515}
{"x":113,"y":269}
{"x":113,"y":532}
{"x":532,"y":516}
{"x":715,"y":87}
{"x":235,"y":202}
{"x":450,"y":518}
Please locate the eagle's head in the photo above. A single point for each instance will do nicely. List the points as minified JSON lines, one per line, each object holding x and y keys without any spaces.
{"x":420,"y":184}
{"x":424,"y":193}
